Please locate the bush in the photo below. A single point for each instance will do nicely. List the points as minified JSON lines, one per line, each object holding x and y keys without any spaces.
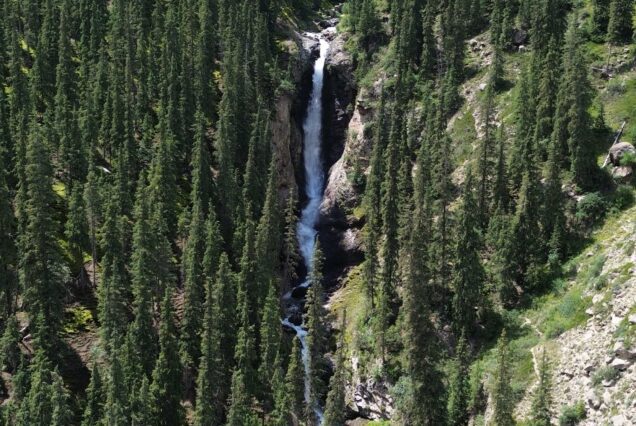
{"x":628,"y":159}
{"x":606,"y":373}
{"x":616,"y":87}
{"x":571,"y":415}
{"x":622,"y":198}
{"x":591,"y":209}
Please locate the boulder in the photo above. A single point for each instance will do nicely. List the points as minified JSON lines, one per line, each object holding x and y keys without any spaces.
{"x":622,"y":172}
{"x":624,"y":353}
{"x":618,"y":151}
{"x":592,"y":399}
{"x":621,"y":364}
{"x":371,"y":400}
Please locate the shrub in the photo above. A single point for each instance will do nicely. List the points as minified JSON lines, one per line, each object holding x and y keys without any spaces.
{"x":616,"y":87}
{"x":591,"y":209}
{"x":628,"y":159}
{"x":605,"y":373}
{"x":622,"y":198}
{"x":571,"y":415}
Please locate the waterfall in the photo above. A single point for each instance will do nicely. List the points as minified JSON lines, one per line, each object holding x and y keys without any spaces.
{"x":314,"y":187}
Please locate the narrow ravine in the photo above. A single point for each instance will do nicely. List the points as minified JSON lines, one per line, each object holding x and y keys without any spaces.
{"x":314,"y":188}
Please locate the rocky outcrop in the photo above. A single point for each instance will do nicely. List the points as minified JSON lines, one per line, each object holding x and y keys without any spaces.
{"x":618,"y":151}
{"x":340,"y":229}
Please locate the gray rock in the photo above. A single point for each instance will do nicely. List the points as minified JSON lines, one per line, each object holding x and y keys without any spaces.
{"x":618,"y":151}
{"x":632,"y":319}
{"x":621,"y":364}
{"x":592,"y":399}
{"x":624,"y":353}
{"x":620,"y":420}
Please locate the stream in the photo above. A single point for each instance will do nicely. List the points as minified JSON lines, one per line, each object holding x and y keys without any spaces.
{"x":314,"y":188}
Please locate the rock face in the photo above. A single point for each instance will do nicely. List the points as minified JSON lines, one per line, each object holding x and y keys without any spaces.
{"x":340,"y":229}
{"x":371,"y":401}
{"x":618,"y":151}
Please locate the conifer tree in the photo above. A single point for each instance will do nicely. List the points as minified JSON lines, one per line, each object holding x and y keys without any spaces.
{"x":116,"y":411}
{"x":94,"y":398}
{"x":290,"y":243}
{"x":468,"y":273}
{"x":542,"y":401}
{"x":10,"y":354}
{"x":141,"y":332}
{"x":226,"y":324}
{"x":502,"y":392}
{"x":600,"y":16}
{"x":335,"y":408}
{"x":61,"y":414}
{"x":270,"y":336}
{"x":142,"y":409}
{"x":8,"y":255}
{"x":243,"y":379}
{"x":294,"y":384}
{"x":316,"y":339}
{"x":424,"y":405}
{"x":165,"y":390}
{"x":459,"y":387}
{"x":76,"y":229}
{"x":41,"y":268}
{"x":36,"y":408}
{"x":208,"y":409}
{"x":620,"y":26}
{"x":191,"y":325}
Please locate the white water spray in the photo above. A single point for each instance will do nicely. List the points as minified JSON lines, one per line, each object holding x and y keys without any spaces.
{"x":314,"y":187}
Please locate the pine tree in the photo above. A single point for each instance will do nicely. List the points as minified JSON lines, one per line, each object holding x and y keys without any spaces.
{"x":142,"y":409}
{"x":41,"y":268}
{"x":141,"y":333}
{"x":191,"y":325}
{"x":290,"y":243}
{"x":468,"y":273}
{"x":94,"y":398}
{"x":502,"y":392}
{"x":316,"y":339}
{"x":8,"y":255}
{"x":208,"y":409}
{"x":335,"y":408}
{"x":600,"y":16}
{"x":165,"y":390}
{"x":116,"y":406}
{"x":36,"y":407}
{"x":270,"y":336}
{"x":542,"y":401}
{"x":61,"y":414}
{"x":294,"y":384}
{"x":10,"y":354}
{"x":424,"y":405}
{"x":459,"y":387}
{"x":620,"y":27}
{"x":76,"y":230}
{"x":242,"y":392}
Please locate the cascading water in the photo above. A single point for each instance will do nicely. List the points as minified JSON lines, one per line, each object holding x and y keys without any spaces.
{"x":314,"y":187}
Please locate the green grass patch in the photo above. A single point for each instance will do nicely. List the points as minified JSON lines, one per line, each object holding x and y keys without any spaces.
{"x":564,"y":313}
{"x":60,"y":189}
{"x":620,"y":103}
{"x":351,"y":298}
{"x":605,"y":373}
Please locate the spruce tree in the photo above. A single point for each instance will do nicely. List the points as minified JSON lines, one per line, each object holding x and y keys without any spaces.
{"x":8,"y":255}
{"x":600,"y":16}
{"x":208,"y":409}
{"x":502,"y":392}
{"x":459,"y":387}
{"x":468,"y":273}
{"x":165,"y":390}
{"x":116,"y":407}
{"x":60,"y":403}
{"x":316,"y":339}
{"x":542,"y":401}
{"x":620,"y":26}
{"x":270,"y":336}
{"x":41,"y":268}
{"x":10,"y":354}
{"x":294,"y":383}
{"x":94,"y":398}
{"x":335,"y":408}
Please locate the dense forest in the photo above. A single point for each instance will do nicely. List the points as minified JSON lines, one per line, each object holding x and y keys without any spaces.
{"x":151,"y":237}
